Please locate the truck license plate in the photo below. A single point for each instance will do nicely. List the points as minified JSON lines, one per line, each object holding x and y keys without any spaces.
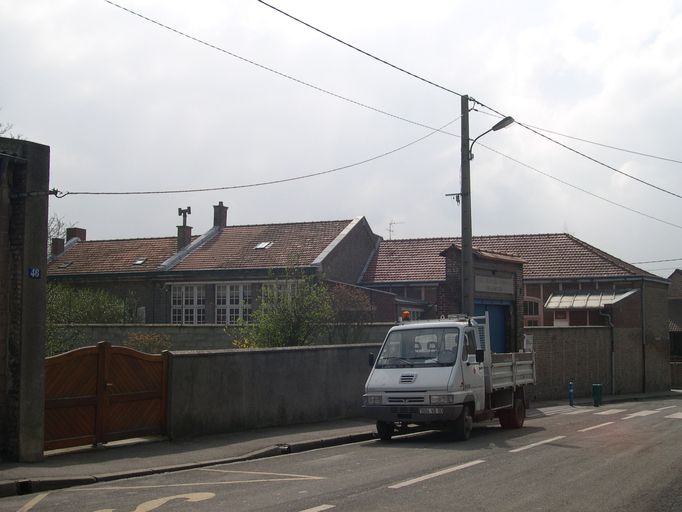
{"x":430,"y":410}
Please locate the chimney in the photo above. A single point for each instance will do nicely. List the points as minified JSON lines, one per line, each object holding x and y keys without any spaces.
{"x":75,"y":233}
{"x":57,"y":246}
{"x":184,"y":231}
{"x":219,"y":215}
{"x":184,"y":236}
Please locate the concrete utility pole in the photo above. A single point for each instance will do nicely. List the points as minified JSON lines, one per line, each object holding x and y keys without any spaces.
{"x":467,"y":251}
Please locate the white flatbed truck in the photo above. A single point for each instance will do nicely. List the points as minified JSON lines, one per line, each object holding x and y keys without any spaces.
{"x":441,"y":374}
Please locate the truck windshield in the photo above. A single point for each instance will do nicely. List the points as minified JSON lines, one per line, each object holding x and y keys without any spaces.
{"x":420,"y":347}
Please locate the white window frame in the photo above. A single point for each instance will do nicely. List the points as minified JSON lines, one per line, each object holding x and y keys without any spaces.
{"x":233,"y":303}
{"x":188,"y":304}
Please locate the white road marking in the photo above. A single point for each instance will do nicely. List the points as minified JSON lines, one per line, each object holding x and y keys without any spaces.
{"x":436,"y":474}
{"x":286,"y":475}
{"x":676,"y":416}
{"x":596,"y":426}
{"x":319,"y":509}
{"x":639,"y":414}
{"x":579,"y":411}
{"x":610,"y":411}
{"x":33,"y":502}
{"x":536,"y":444}
{"x":664,"y":408}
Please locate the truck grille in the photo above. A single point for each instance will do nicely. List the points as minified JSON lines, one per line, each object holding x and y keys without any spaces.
{"x":405,"y":399}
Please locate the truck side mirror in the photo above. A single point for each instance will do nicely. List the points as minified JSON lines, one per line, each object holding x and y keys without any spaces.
{"x":371,"y":358}
{"x":480,"y":355}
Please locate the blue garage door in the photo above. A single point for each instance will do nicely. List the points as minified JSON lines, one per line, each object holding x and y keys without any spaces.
{"x":497,"y":314}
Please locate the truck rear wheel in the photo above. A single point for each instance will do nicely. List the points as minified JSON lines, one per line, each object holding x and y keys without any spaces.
{"x":384,"y":430}
{"x":514,"y":417}
{"x":464,"y":424}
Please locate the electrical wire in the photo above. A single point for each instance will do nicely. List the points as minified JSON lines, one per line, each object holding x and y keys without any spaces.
{"x":534,"y":169}
{"x":601,"y":144}
{"x":527,"y":127}
{"x":656,"y":261}
{"x":370,"y":55}
{"x":267,"y":68}
{"x":263,"y":183}
{"x":63,"y":194}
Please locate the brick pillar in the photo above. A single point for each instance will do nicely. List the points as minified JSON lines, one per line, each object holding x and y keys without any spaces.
{"x":24,"y":181}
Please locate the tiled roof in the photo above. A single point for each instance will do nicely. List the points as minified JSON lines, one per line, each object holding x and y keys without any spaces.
{"x":291,"y":244}
{"x":545,"y":256}
{"x":559,"y":256}
{"x":408,"y":260}
{"x":232,"y":248}
{"x":106,"y":256}
{"x":675,"y":289}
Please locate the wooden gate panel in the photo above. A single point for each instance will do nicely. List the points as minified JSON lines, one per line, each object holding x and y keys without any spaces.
{"x":136,"y":390}
{"x":71,"y":398}
{"x":104,"y":393}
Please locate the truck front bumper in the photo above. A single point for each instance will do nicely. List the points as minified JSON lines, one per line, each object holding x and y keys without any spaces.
{"x":423,"y":415}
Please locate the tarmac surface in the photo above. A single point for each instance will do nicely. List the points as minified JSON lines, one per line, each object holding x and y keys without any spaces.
{"x":146,"y":456}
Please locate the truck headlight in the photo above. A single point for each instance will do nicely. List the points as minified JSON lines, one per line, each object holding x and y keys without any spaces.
{"x":442,"y":399}
{"x":372,"y":399}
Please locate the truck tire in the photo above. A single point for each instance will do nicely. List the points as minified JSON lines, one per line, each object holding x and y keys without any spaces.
{"x":514,"y":417}
{"x":384,"y":430}
{"x":464,"y":424}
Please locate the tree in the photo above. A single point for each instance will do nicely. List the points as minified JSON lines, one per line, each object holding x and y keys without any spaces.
{"x":67,"y":306}
{"x":352,"y":310}
{"x":6,"y":131}
{"x":293,"y":310}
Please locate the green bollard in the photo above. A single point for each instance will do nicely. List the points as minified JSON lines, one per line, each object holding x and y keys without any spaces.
{"x":596,"y":394}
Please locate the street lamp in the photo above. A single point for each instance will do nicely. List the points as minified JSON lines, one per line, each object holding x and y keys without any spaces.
{"x":467,"y":251}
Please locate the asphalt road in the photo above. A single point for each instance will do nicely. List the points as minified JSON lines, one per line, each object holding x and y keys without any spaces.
{"x":621,"y":457}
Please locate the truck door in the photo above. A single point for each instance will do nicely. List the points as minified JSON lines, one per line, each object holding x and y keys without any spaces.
{"x":472,"y":372}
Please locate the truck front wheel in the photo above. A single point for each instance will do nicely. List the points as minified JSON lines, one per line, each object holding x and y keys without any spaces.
{"x":514,"y":417}
{"x":464,"y":424}
{"x":384,"y":430}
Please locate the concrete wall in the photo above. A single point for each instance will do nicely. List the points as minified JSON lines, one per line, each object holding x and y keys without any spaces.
{"x":220,"y":391}
{"x":24,"y":181}
{"x":583,"y":354}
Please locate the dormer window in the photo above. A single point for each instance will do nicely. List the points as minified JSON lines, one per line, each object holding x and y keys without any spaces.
{"x":139,"y":261}
{"x":263,"y":245}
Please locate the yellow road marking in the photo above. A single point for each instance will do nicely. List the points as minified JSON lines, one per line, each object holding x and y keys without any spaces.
{"x":33,"y":502}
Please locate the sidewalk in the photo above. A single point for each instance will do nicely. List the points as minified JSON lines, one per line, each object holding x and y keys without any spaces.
{"x":139,"y":457}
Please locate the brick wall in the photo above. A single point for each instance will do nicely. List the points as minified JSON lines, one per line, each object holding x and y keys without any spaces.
{"x":348,"y":259}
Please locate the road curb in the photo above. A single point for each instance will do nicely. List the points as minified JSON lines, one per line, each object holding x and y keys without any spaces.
{"x":28,"y":486}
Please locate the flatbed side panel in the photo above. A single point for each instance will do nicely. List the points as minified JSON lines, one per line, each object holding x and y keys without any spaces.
{"x":512,"y":370}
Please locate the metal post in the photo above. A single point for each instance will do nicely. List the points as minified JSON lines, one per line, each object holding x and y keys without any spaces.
{"x":467,"y":252}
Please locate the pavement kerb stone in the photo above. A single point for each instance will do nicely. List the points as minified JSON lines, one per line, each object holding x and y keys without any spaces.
{"x":28,"y":486}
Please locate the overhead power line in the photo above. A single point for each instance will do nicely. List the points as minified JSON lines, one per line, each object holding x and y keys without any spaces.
{"x":434,"y":130}
{"x":534,"y":169}
{"x":259,"y":184}
{"x":370,"y":55}
{"x":587,"y":141}
{"x":430,"y":82}
{"x":656,"y":261}
{"x":267,"y":68}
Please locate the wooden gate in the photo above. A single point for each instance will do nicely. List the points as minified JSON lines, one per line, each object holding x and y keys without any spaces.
{"x":104,"y":393}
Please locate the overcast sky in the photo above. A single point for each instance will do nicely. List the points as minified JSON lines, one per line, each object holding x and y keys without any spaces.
{"x":126,"y":105}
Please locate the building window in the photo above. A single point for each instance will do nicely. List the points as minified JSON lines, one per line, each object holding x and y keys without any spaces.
{"x":531,"y":312}
{"x":188,"y":304}
{"x":234,"y":302}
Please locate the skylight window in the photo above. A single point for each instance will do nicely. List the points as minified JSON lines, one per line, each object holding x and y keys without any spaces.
{"x":139,"y":261}
{"x":263,"y":245}
{"x":66,"y":264}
